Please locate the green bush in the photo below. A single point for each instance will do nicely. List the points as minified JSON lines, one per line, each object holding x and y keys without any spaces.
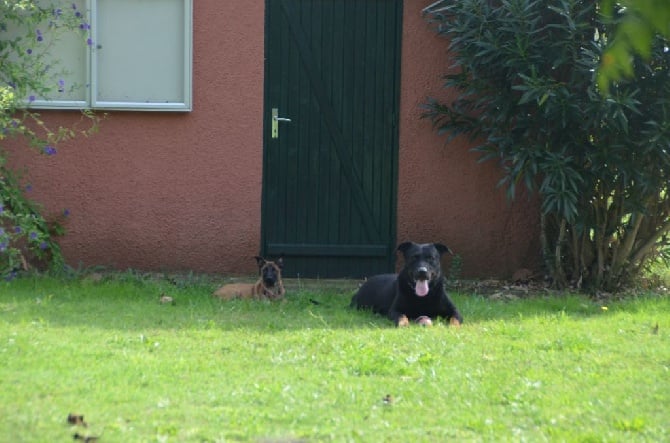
{"x":526,"y":76}
{"x":28,"y":30}
{"x":636,"y":23}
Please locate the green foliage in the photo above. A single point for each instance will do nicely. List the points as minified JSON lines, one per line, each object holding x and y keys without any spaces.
{"x":202,"y":370}
{"x":636,"y":23}
{"x":525,"y":71}
{"x":455,"y":268}
{"x":28,"y":31}
{"x":25,"y":236}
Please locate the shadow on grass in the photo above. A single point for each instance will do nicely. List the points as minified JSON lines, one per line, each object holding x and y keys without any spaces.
{"x":133,"y":304}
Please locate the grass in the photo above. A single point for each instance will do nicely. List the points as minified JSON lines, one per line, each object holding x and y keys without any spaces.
{"x":558,"y":368}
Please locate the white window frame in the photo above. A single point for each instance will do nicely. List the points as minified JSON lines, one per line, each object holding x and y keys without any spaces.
{"x":92,"y":74}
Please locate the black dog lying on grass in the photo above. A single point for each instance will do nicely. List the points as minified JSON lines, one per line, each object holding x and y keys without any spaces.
{"x":416,"y":293}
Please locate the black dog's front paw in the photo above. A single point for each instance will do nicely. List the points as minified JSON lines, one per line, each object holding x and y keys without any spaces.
{"x":402,"y":321}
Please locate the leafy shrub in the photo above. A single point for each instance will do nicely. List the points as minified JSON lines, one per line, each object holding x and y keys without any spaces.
{"x":525,"y":71}
{"x":636,"y":23}
{"x":28,"y":30}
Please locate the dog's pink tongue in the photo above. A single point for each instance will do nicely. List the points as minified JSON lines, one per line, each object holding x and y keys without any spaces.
{"x":421,"y":288}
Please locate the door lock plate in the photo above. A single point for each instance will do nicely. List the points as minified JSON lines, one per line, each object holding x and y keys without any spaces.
{"x":275,"y":122}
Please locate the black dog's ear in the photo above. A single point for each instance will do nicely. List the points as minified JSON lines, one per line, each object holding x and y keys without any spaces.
{"x":260,"y":260}
{"x":442,"y":248}
{"x":403,"y":247}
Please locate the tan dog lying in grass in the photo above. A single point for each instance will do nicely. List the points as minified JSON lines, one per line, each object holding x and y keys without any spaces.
{"x":269,"y":285}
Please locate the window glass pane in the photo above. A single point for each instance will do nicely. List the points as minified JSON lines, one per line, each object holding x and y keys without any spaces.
{"x":140,"y":52}
{"x":67,"y":55}
{"x":59,"y":52}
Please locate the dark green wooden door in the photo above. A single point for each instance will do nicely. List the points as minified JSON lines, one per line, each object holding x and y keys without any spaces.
{"x":329,"y":181}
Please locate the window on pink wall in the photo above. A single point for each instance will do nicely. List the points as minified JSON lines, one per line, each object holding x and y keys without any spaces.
{"x":129,"y":55}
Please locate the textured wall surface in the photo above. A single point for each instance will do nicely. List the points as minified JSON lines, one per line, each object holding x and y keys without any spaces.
{"x":182,"y":191}
{"x":443,"y":193}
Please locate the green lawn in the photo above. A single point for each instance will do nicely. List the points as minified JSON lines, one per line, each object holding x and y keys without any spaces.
{"x":201,"y":370}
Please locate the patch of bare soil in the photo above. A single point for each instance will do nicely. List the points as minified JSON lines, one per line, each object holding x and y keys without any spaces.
{"x":532,"y":286}
{"x":496,"y":289}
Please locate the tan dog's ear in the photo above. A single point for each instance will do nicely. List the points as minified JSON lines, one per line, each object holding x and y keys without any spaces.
{"x":260,"y":260}
{"x":280,"y":262}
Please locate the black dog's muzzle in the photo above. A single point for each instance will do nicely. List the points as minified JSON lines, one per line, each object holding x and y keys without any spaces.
{"x":422,"y":273}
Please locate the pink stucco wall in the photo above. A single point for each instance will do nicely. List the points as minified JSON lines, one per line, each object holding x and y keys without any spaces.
{"x":454,"y":197}
{"x":182,"y":191}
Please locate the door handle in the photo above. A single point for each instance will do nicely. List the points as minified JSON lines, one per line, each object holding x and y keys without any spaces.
{"x":275,"y":122}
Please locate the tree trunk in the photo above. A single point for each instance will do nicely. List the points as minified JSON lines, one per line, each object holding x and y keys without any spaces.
{"x":560,"y":281}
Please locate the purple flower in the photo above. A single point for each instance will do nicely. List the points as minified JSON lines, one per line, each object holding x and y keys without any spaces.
{"x":61,"y":85}
{"x":3,"y":246}
{"x":39,"y":35}
{"x":2,"y":209}
{"x":49,"y":150}
{"x":29,"y":187}
{"x":31,"y":98}
{"x":29,"y":51}
{"x":17,"y":229}
{"x":66,"y":212}
{"x":43,"y":245}
{"x":33,"y":235}
{"x":2,"y":231}
{"x":77,"y":14}
{"x":89,"y":41}
{"x":57,"y":12}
